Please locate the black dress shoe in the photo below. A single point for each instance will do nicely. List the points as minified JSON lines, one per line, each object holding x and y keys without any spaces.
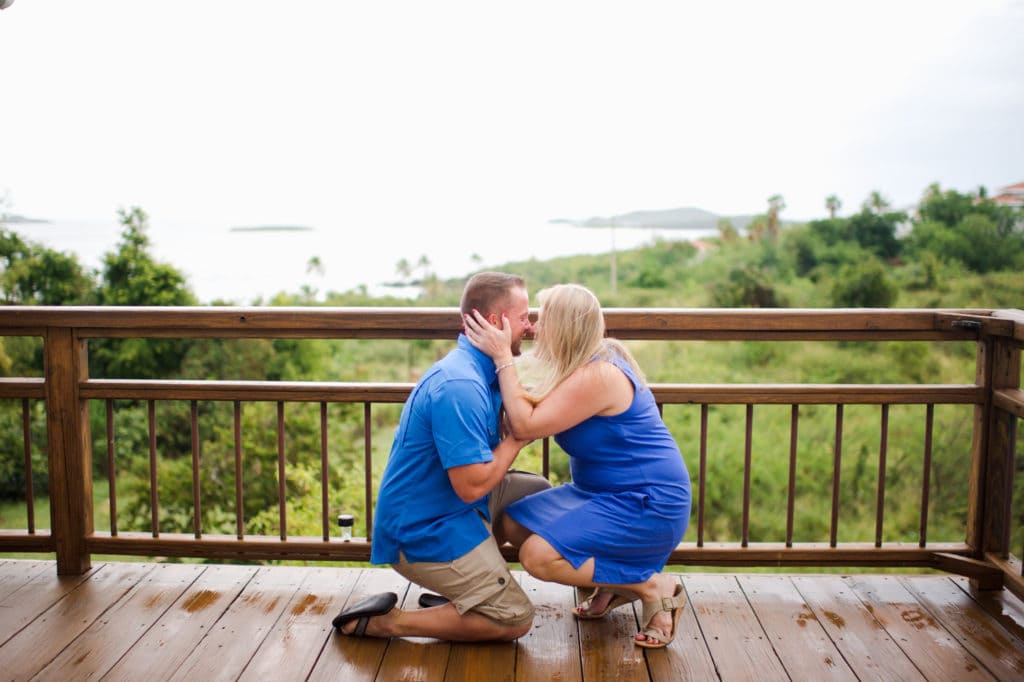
{"x":376,"y":605}
{"x":428,"y":600}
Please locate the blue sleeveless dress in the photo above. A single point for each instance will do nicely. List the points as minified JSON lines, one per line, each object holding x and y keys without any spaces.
{"x":628,"y":504}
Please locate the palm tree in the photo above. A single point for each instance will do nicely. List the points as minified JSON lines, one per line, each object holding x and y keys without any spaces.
{"x":833,"y":205}
{"x":727,"y":231}
{"x":403,"y":268}
{"x":424,"y":263}
{"x":315,"y":266}
{"x":876,"y":203}
{"x":756,"y":228}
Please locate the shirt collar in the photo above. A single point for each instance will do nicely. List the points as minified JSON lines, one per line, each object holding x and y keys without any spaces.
{"x":480,"y":358}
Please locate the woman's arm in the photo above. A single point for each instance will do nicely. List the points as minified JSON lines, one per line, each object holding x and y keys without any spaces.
{"x":596,"y":388}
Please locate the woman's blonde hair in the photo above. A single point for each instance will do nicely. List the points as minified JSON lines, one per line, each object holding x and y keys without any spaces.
{"x":571,"y":335}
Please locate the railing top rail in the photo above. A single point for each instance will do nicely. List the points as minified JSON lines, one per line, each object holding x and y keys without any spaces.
{"x":444,"y":323}
{"x":295,"y":391}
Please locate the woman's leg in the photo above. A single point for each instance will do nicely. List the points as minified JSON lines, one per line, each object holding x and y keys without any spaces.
{"x":544,"y":562}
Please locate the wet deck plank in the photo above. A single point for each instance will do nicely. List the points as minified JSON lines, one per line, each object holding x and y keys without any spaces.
{"x":27,"y":589}
{"x":298,"y":637}
{"x":415,"y":659}
{"x":551,"y":650}
{"x":935,"y":652}
{"x":354,"y":658}
{"x":963,"y":618}
{"x":131,"y":621}
{"x":173,"y":638}
{"x":801,"y":642}
{"x":687,"y":657}
{"x":864,"y":644}
{"x":56,"y":628}
{"x":739,"y":646}
{"x":93,"y":653}
{"x":238,"y":634}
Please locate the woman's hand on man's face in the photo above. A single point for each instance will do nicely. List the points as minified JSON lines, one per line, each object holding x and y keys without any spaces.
{"x":495,"y":342}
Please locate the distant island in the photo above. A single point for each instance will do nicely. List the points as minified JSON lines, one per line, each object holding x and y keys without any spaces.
{"x":273,"y":228}
{"x":22,"y":219}
{"x":668,"y":219}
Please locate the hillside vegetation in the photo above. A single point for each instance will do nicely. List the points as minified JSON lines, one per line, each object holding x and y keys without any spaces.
{"x":957,"y":251}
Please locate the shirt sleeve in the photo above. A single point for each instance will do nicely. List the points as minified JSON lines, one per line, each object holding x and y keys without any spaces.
{"x":464,"y":425}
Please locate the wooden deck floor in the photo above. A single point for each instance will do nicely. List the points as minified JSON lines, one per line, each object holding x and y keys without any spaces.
{"x":152,"y":621}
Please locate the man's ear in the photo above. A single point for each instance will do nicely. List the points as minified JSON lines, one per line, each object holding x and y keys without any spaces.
{"x":494,"y":319}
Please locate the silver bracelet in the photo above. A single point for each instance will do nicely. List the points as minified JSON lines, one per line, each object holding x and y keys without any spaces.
{"x":498,"y":369}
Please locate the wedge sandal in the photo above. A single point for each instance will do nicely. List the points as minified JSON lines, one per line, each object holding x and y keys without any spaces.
{"x":673,"y":605}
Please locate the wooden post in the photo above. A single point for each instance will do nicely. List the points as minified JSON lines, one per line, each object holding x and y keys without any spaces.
{"x":999,"y":469}
{"x":992,"y":450}
{"x":69,"y":449}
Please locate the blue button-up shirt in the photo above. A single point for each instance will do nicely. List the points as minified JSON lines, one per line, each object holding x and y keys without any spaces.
{"x":449,"y":420}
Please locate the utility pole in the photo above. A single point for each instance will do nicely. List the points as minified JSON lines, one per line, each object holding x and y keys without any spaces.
{"x":614,"y":268}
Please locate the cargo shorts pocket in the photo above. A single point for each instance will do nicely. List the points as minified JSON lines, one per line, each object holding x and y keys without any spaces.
{"x":489,"y":587}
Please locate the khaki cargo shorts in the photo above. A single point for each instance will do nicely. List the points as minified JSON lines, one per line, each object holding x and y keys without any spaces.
{"x":480,"y":580}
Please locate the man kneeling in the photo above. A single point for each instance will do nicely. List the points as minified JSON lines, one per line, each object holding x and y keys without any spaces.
{"x":439,"y":509}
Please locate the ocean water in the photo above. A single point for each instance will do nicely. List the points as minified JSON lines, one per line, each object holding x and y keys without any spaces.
{"x":246,"y":267}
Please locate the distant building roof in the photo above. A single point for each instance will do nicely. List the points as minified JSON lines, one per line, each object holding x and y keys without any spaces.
{"x":1011,"y":195}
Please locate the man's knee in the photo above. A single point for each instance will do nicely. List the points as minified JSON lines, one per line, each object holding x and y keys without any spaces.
{"x":517,"y":631}
{"x":513,"y":487}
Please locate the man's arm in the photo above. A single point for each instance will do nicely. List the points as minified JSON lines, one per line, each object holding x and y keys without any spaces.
{"x":473,"y":481}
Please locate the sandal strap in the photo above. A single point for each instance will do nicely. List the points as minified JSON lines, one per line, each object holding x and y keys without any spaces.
{"x":652,"y":608}
{"x":654,"y":634}
{"x":612,"y":603}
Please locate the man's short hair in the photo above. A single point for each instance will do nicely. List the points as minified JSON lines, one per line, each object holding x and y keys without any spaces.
{"x":487,"y":290}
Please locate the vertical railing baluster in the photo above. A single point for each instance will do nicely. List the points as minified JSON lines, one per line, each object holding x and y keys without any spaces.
{"x":926,"y":474}
{"x":703,"y":468}
{"x":111,"y":468}
{"x":794,"y":418}
{"x":368,"y":468}
{"x":239,"y":510}
{"x":545,"y":458}
{"x":154,"y":496}
{"x":281,"y":471}
{"x":747,"y":460}
{"x":324,"y":477}
{"x":837,"y":459}
{"x":26,"y":432}
{"x":883,"y":447}
{"x":197,"y":511}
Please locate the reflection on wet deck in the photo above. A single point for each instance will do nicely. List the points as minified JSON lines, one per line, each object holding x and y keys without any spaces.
{"x":160,"y":621}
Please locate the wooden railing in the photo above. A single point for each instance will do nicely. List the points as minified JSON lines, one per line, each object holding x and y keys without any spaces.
{"x":995,"y":397}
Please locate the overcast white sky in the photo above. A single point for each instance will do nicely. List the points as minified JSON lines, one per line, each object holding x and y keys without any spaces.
{"x":382,"y":113}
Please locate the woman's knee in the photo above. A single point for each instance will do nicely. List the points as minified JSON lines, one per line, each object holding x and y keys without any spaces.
{"x":537,"y":558}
